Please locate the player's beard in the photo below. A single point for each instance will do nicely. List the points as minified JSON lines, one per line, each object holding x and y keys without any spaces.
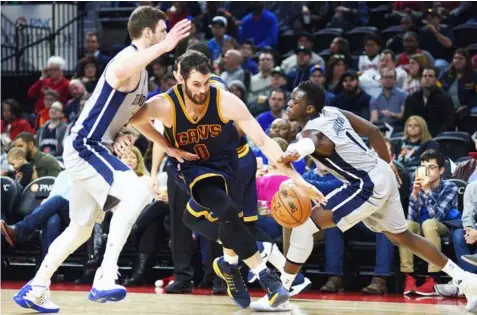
{"x":195,"y":100}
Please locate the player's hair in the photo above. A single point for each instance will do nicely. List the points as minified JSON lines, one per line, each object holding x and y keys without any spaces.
{"x":314,"y":93}
{"x":433,"y":154}
{"x":200,"y":47}
{"x":26,"y":137}
{"x":144,"y":17}
{"x":194,"y":60}
{"x":16,"y":153}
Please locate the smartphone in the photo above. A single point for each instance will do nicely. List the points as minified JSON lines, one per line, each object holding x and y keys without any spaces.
{"x":422,"y":173}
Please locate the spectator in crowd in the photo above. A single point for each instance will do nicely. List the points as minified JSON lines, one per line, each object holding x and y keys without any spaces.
{"x":178,"y":12}
{"x":45,"y":164}
{"x":468,"y":170}
{"x":335,"y":68}
{"x":196,"y":36}
{"x":79,"y":98}
{"x":233,"y":70}
{"x":304,"y":40}
{"x":432,"y":201}
{"x":89,"y":72}
{"x":417,"y":140}
{"x":431,"y":103}
{"x":416,"y":65}
{"x":92,"y":44}
{"x":213,"y":10}
{"x":410,"y":42}
{"x":288,"y":13}
{"x":370,"y":59}
{"x":12,"y":123}
{"x":159,"y":69}
{"x":340,"y":46}
{"x":260,"y":26}
{"x":437,"y":39}
{"x":51,"y":78}
{"x":24,"y":171}
{"x":370,"y":80}
{"x":6,"y":169}
{"x":229,"y":44}
{"x":351,"y":97}
{"x":276,"y":101}
{"x":395,"y":43}
{"x":279,"y":79}
{"x":237,"y":88}
{"x":460,"y":81}
{"x":43,"y":116}
{"x":388,"y":107}
{"x":168,"y":80}
{"x":302,"y":70}
{"x":247,"y":49}
{"x":218,"y":27}
{"x":51,"y":135}
{"x":318,"y":76}
{"x":260,"y":83}
{"x":349,"y":14}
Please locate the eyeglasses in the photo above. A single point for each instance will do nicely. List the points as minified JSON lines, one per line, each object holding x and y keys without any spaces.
{"x":388,"y":77}
{"x":433,"y":167}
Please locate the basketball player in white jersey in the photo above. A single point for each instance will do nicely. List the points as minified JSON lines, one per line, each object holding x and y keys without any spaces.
{"x":369,"y":192}
{"x":99,"y":178}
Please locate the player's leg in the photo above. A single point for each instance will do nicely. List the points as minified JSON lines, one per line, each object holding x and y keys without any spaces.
{"x":134,"y":195}
{"x":237,"y":240}
{"x":35,"y":294}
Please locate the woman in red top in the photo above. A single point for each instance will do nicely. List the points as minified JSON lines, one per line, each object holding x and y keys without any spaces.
{"x":52,"y":78}
{"x":12,"y":124}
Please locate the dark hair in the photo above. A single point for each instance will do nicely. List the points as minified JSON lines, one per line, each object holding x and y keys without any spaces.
{"x":468,"y":65}
{"x":389,"y":52}
{"x":373,"y":38}
{"x":202,"y":48}
{"x":250,"y":43}
{"x":86,"y":61}
{"x":194,"y":60}
{"x":413,"y":34}
{"x":162,"y":61}
{"x":279,"y":90}
{"x":91,"y":34}
{"x":332,"y":62}
{"x":52,"y":93}
{"x":314,"y":93}
{"x":435,"y":69}
{"x":15,"y":107}
{"x":144,"y":17}
{"x":433,"y":154}
{"x":26,"y":137}
{"x":168,"y":76}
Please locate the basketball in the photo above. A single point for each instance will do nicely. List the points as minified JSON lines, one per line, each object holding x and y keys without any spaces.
{"x":291,"y":207}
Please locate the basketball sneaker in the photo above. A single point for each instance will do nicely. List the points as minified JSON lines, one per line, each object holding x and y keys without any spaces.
{"x":265,"y":249}
{"x":36,"y":297}
{"x":105,"y":288}
{"x":300,"y":284}
{"x":236,"y":288}
{"x":263,"y":305}
{"x":448,"y":290}
{"x":468,"y":286}
{"x":271,"y":283}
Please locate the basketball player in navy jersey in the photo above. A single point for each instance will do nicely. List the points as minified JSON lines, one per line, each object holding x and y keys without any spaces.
{"x":200,"y":118}
{"x":369,"y":192}
{"x":101,"y":180}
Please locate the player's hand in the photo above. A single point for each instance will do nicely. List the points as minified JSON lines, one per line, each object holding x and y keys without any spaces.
{"x":181,"y":155}
{"x":314,"y":194}
{"x":287,"y":183}
{"x":180,"y":31}
{"x":123,"y":144}
{"x":289,"y":156}
{"x":396,"y":173}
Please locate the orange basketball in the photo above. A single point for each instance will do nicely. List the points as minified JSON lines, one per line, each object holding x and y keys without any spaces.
{"x":291,"y":207}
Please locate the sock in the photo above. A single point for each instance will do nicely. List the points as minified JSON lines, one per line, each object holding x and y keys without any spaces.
{"x":287,"y":280}
{"x":277,"y":259}
{"x":232,"y":260}
{"x":453,"y":270}
{"x":259,"y":268}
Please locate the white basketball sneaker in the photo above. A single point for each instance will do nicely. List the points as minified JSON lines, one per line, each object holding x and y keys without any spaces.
{"x":105,"y":288}
{"x":36,"y":297}
{"x":468,"y":286}
{"x":263,"y":305}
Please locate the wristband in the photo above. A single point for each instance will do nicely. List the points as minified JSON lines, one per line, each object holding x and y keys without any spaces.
{"x":303,"y":147}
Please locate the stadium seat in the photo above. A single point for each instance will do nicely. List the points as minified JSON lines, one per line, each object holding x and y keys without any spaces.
{"x":286,"y":42}
{"x":459,"y":134}
{"x":462,"y":159}
{"x":9,"y":196}
{"x":389,"y":33}
{"x":398,"y":134}
{"x":356,"y":37}
{"x":465,"y":35}
{"x":377,"y":17}
{"x":323,"y":38}
{"x":472,"y":49}
{"x":461,"y":184}
{"x":453,"y":146}
{"x":34,"y":194}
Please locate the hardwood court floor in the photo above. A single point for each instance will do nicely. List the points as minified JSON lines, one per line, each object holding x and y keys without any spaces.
{"x":76,"y":303}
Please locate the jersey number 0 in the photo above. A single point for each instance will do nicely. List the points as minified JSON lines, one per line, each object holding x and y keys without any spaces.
{"x":201,"y":151}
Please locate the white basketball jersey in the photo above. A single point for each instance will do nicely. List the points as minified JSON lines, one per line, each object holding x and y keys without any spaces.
{"x":352,"y":159}
{"x":108,"y":110}
{"x":365,"y":63}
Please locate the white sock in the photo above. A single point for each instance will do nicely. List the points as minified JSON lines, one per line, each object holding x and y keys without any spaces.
{"x":454,"y":270}
{"x":259,"y":268}
{"x":287,"y":280}
{"x":232,"y":260}
{"x":277,"y":259}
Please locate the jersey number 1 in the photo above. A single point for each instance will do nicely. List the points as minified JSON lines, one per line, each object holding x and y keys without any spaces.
{"x":201,"y":151}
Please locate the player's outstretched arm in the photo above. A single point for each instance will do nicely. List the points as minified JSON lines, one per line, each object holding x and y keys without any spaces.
{"x":126,"y":65}
{"x":234,"y":109}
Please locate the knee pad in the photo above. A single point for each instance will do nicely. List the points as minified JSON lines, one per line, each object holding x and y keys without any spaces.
{"x":301,"y":242}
